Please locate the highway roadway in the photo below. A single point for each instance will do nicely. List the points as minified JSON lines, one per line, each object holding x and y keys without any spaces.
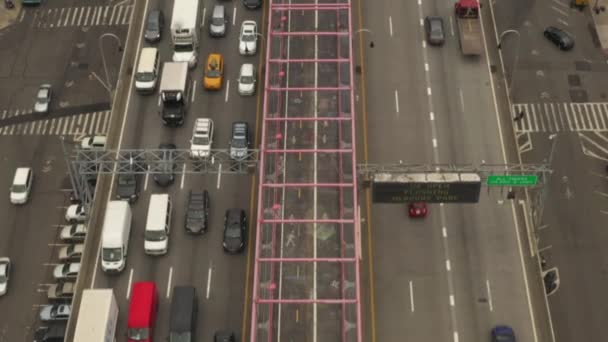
{"x":192,"y":260}
{"x":566,"y":126}
{"x":463,"y":269}
{"x":35,"y":52}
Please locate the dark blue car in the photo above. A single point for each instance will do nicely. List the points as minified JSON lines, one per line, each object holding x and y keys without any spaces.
{"x":503,"y":333}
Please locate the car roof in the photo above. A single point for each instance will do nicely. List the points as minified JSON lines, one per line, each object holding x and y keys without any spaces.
{"x":217,"y":57}
{"x":182,"y":307}
{"x":21,"y":175}
{"x":3,"y":268}
{"x":142,"y":299}
{"x":247,"y":69}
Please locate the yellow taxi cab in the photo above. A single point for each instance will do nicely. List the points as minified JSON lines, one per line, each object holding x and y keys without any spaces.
{"x":214,"y":72}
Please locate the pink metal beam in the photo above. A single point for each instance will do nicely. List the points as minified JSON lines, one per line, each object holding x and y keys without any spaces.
{"x":311,"y":118}
{"x":344,"y":260}
{"x":307,"y":185}
{"x":309,"y":34}
{"x":281,"y":221}
{"x":310,"y":150}
{"x":307,"y":301}
{"x":312,"y":7}
{"x":307,"y":88}
{"x":309,"y":60}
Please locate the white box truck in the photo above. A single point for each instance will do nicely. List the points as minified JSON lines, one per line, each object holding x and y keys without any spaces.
{"x":97,"y":316}
{"x":184,"y":31}
{"x":115,"y":236}
{"x":174,"y":90}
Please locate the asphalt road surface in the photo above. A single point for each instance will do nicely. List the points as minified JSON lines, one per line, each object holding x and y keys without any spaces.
{"x":36,"y":50}
{"x":199,"y":261}
{"x":566,"y":123}
{"x":458,"y":272}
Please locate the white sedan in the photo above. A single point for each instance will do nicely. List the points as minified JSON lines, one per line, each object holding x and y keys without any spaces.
{"x":248,"y":39}
{"x":43,"y":99}
{"x":75,"y":213}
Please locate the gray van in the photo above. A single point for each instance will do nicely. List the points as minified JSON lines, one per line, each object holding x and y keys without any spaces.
{"x":183,"y":314}
{"x":217,"y":23}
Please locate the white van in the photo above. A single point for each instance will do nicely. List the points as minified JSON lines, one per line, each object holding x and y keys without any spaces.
{"x":115,"y":236}
{"x":22,"y":184}
{"x":147,"y":70}
{"x":158,"y":225}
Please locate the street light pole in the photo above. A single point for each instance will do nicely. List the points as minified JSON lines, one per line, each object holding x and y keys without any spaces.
{"x":516,"y":58}
{"x":108,"y":85}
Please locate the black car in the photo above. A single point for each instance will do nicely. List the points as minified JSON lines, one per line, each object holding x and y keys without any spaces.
{"x":53,"y":333}
{"x":559,"y":37}
{"x":127,"y":187}
{"x":167,"y":167}
{"x":154,"y":26}
{"x":197,"y":214}
{"x":252,"y":4}
{"x":433,"y":28}
{"x":234,"y":230}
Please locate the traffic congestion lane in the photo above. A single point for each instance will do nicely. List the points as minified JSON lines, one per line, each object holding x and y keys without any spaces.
{"x":409,"y":280}
{"x":207,"y":253}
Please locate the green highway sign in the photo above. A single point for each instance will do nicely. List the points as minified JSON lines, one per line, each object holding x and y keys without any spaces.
{"x":512,"y":180}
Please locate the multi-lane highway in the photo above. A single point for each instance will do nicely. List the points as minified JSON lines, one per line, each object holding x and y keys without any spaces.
{"x":38,"y":49}
{"x":192,"y":260}
{"x":460,"y":271}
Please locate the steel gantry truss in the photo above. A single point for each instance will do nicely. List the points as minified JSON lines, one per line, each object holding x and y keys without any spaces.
{"x":306,"y":273}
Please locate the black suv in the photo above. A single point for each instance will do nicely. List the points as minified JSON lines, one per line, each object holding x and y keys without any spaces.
{"x":252,"y":4}
{"x":559,"y":37}
{"x":127,"y":187}
{"x":167,"y":167}
{"x":239,"y":143}
{"x":197,"y":214}
{"x":234,"y":230}
{"x":224,"y":336}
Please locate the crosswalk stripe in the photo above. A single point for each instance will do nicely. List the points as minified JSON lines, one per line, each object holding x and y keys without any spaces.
{"x":106,"y":122}
{"x":67,"y":16}
{"x":128,"y":12}
{"x":112,"y":15}
{"x":99,"y":16}
{"x":105,"y":15}
{"x":603,"y":111}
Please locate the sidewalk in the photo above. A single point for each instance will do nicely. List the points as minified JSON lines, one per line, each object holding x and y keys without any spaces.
{"x":9,"y":16}
{"x":601,"y":26}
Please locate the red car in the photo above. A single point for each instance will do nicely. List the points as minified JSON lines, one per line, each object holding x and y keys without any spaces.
{"x":417,"y":209}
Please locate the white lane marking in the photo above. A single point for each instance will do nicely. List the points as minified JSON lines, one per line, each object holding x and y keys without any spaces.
{"x":169,"y":281}
{"x":504,"y":157}
{"x":429,"y":92}
{"x":444,"y":232}
{"x":181,"y":186}
{"x":461,"y":100}
{"x":432,"y":116}
{"x":411,"y":296}
{"x":448,"y":265}
{"x":421,"y":22}
{"x":193,"y":89}
{"x":489,"y":295}
{"x":390,"y":25}
{"x":451,"y":26}
{"x":209,"y":272}
{"x":219,"y":176}
{"x":159,"y":99}
{"x":122,"y":132}
{"x":426,"y":67}
{"x":434,"y":142}
{"x":396,"y":101}
{"x":234,"y":16}
{"x":452,"y":301}
{"x":129,"y":283}
{"x":562,"y":12}
{"x":146,"y":179}
{"x":203,"y":21}
{"x":563,"y":22}
{"x":227,"y":90}
{"x":455,"y":336}
{"x":424,"y":44}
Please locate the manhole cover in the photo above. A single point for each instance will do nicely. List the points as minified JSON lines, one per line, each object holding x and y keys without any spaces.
{"x":582,"y":66}
{"x":574,"y":80}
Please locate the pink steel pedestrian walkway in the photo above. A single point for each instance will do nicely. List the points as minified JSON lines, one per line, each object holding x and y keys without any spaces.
{"x":307,"y":253}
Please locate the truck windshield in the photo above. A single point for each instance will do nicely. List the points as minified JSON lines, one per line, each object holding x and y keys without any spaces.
{"x":155,"y":235}
{"x":111,"y":254}
{"x":144,"y":77}
{"x":184,"y":48}
{"x":139,"y":334}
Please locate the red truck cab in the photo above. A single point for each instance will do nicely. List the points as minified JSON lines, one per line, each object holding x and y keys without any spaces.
{"x":142,"y":312}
